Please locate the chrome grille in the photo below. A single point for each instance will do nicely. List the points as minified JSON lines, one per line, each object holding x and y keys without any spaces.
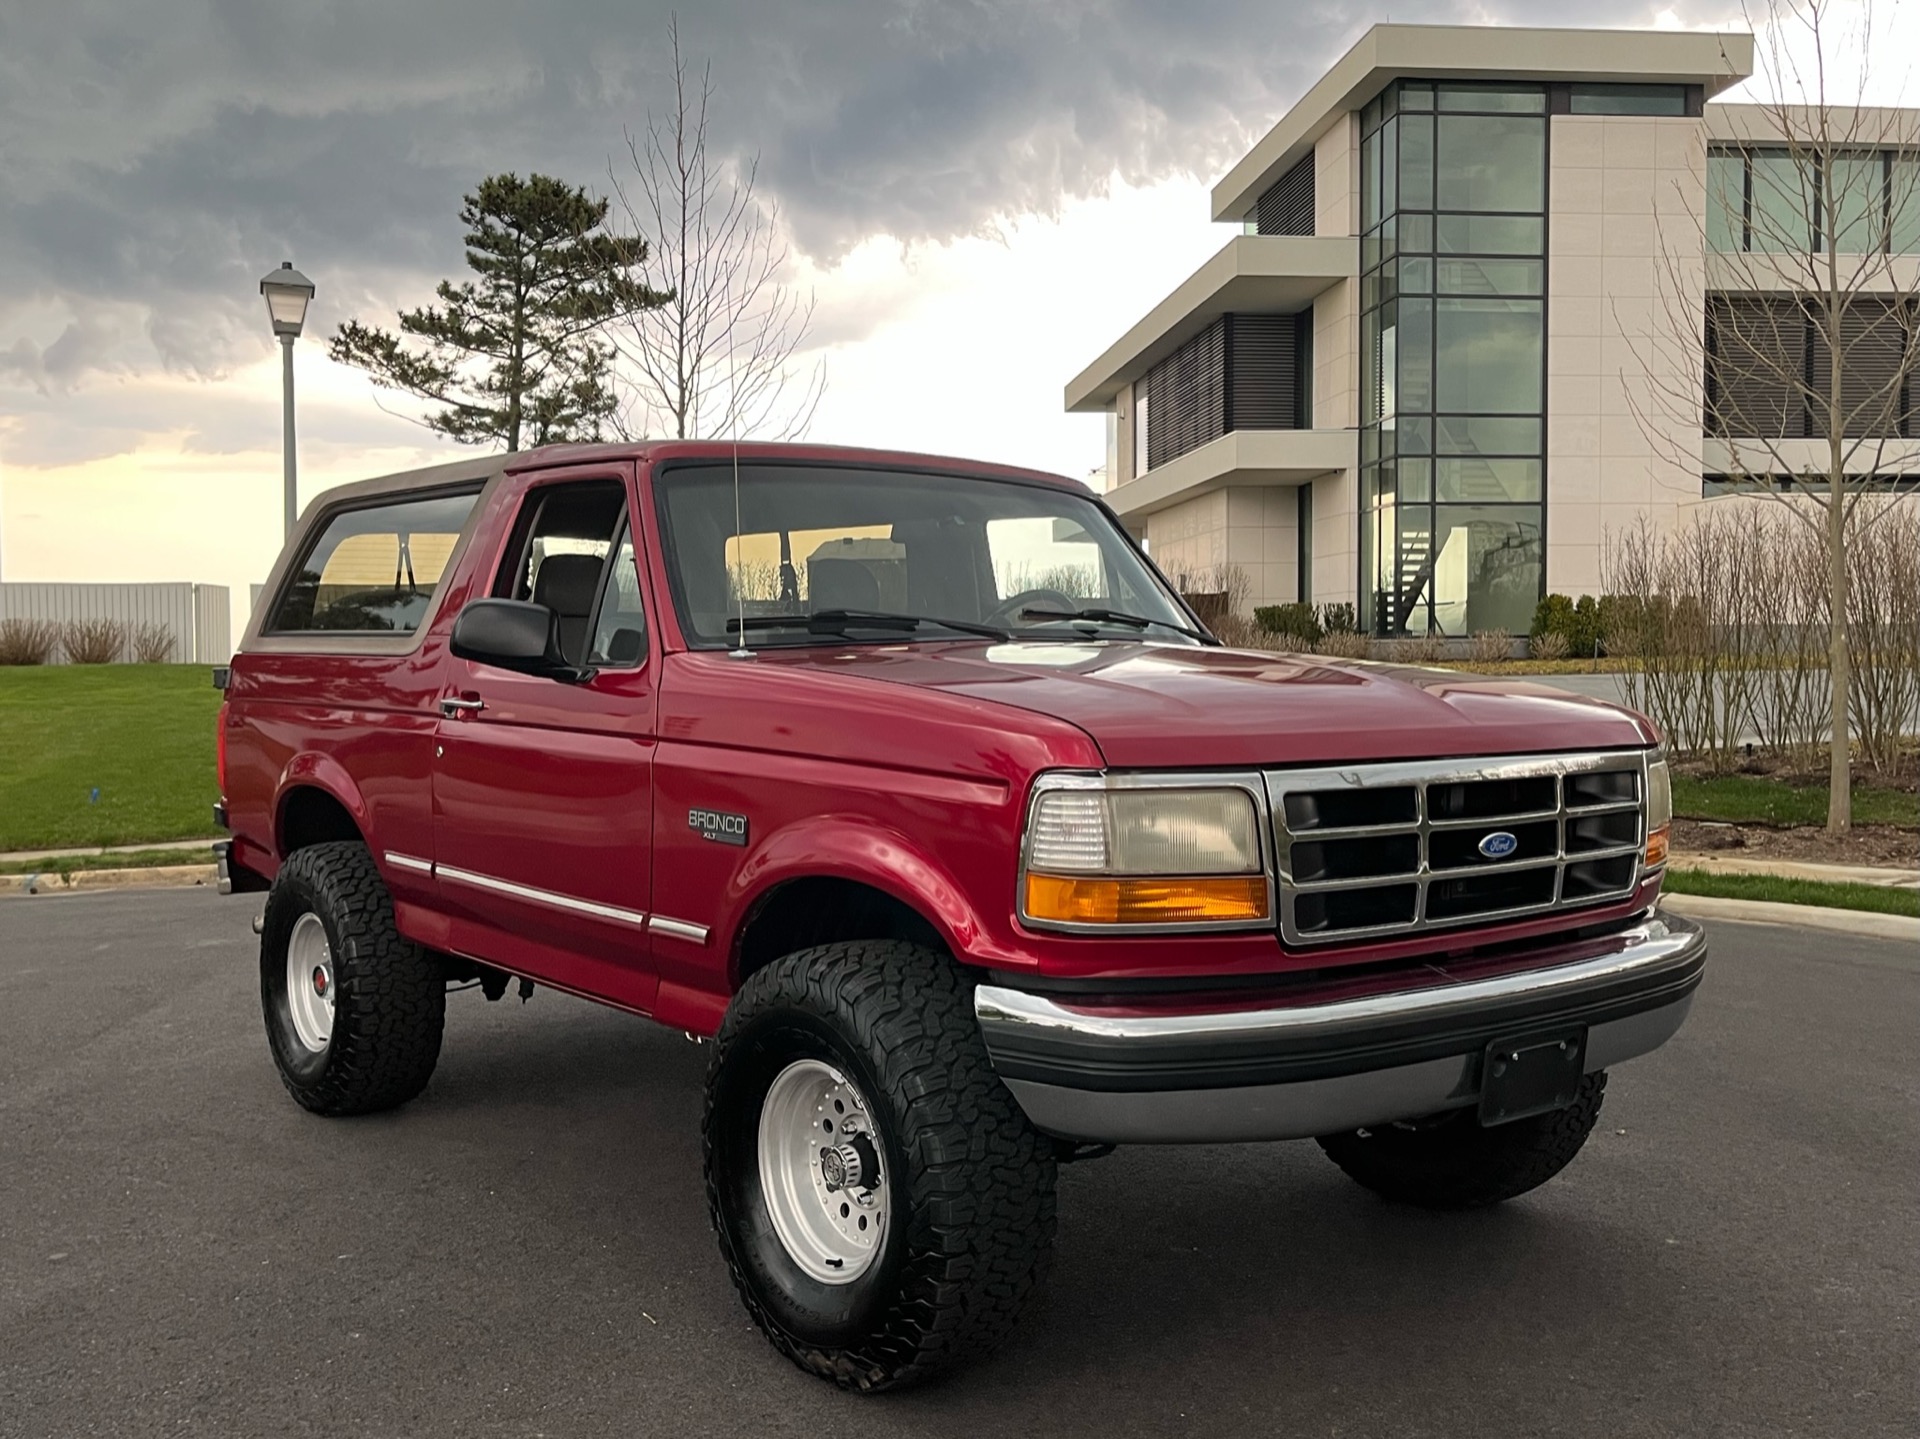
{"x":1385,"y":849}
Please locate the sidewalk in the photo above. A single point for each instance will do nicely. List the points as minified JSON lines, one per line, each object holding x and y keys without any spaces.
{"x":194,"y":845}
{"x":1796,"y":869}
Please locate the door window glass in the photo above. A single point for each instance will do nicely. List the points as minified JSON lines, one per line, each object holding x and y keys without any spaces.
{"x":374,"y":569}
{"x":620,"y":631}
{"x":559,"y":553}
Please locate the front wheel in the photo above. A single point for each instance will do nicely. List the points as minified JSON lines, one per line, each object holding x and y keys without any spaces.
{"x":883,"y":1204}
{"x":1449,"y":1161}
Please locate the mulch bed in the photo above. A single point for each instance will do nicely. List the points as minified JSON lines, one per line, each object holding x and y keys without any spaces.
{"x":1884,"y":846}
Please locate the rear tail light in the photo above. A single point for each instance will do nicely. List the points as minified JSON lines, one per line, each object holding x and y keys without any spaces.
{"x":220,"y":749}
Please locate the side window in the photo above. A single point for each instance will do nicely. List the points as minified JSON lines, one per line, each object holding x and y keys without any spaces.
{"x":374,"y":569}
{"x":620,"y":630}
{"x":559,"y":554}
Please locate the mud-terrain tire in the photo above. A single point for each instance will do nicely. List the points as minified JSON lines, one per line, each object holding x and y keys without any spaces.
{"x":965,"y":1192}
{"x":1451,"y":1162}
{"x":379,"y":1038}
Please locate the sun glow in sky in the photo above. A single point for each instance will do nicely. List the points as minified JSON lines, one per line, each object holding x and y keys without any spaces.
{"x":960,"y":349}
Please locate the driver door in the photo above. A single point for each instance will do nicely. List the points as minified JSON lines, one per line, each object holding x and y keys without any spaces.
{"x":543,"y":791}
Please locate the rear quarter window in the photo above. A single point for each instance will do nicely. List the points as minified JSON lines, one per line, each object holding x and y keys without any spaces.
{"x":373,"y":569}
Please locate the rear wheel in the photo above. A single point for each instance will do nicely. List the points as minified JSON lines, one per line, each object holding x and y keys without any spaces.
{"x":883,"y":1204}
{"x":353,"y":1010}
{"x":1450,"y":1161}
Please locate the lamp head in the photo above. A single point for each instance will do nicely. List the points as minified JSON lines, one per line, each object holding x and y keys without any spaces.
{"x":287,"y":292}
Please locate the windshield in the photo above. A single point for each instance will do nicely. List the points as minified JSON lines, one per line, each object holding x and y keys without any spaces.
{"x":813,"y":540}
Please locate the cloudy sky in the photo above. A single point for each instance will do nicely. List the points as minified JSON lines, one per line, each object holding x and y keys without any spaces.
{"x":981,"y":193}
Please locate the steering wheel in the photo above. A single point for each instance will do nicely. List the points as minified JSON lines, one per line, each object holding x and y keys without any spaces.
{"x":1009,"y":608}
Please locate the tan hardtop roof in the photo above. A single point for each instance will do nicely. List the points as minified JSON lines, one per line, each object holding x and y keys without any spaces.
{"x":487,"y":467}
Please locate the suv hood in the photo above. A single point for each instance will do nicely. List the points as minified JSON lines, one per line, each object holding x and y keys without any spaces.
{"x":1151,"y":706}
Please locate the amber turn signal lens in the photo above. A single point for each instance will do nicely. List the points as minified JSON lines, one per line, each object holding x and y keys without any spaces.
{"x":1145,"y":901}
{"x":1657,"y":846}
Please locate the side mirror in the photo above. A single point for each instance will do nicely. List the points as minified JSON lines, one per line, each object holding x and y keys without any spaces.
{"x":514,"y":635}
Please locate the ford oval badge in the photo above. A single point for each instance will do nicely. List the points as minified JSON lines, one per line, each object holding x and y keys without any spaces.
{"x":1498,"y":845}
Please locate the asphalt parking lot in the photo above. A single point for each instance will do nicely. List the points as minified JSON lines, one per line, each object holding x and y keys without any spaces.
{"x":525,"y":1250}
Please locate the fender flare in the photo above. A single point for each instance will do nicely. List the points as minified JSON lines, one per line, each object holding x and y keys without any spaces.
{"x":860,"y":850}
{"x":311,"y":770}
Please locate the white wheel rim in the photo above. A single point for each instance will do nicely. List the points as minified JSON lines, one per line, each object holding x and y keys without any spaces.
{"x":822,"y":1172}
{"x":310,"y":982}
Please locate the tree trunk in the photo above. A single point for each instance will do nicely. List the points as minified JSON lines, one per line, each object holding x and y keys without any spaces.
{"x":1839,"y":674}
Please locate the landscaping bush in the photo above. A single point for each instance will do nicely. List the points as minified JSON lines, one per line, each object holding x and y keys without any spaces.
{"x":28,"y":642}
{"x":93,"y":642}
{"x":1548,"y":645}
{"x":1427,"y":649}
{"x":1339,"y":619}
{"x":1492,"y":646}
{"x":1345,"y":644}
{"x":1295,"y":623}
{"x":1579,"y":624}
{"x":151,"y":644}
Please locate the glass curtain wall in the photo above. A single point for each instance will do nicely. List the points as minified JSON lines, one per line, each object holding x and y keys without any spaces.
{"x":1453,"y":357}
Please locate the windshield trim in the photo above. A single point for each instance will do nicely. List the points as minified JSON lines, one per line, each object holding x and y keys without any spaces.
{"x":691,"y":640}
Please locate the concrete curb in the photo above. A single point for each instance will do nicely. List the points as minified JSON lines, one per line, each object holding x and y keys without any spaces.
{"x":1803,"y":916}
{"x":1796,"y":869}
{"x":168,"y":876}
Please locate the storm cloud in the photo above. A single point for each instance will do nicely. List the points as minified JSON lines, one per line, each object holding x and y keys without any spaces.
{"x":156,"y":158}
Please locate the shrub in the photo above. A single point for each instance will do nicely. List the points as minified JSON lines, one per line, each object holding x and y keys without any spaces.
{"x":151,"y":643}
{"x":1418,"y":649}
{"x":1550,"y":645}
{"x":1580,"y":625}
{"x":1492,"y":646}
{"x":28,"y":642}
{"x":1345,"y":644}
{"x":1235,"y":631}
{"x":1339,"y":619}
{"x":93,"y":642}
{"x":1290,"y":622}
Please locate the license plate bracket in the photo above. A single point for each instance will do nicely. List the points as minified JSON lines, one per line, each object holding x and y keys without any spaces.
{"x":1531,"y":1074}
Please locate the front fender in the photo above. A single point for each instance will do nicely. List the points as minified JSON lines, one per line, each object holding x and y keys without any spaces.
{"x":861,"y":850}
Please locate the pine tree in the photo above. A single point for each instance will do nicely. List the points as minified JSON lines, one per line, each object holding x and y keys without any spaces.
{"x":516,"y":355}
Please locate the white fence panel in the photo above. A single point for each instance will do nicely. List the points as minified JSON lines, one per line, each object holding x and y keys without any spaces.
{"x":195,"y":615}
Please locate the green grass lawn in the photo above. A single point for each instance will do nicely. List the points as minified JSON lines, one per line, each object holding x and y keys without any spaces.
{"x":141,"y":734}
{"x":1751,"y":799}
{"x":1880,"y":899}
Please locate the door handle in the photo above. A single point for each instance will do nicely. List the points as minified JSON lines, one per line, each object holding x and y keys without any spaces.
{"x":454,"y":708}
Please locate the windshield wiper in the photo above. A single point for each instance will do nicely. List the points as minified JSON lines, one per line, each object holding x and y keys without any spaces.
{"x":1116,"y":617}
{"x":838,"y":622}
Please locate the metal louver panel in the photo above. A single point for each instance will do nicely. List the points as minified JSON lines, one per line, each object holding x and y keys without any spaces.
{"x":1756,"y":346}
{"x":1266,"y":372}
{"x":1287,"y":207}
{"x":1187,"y":396}
{"x":1876,"y":337}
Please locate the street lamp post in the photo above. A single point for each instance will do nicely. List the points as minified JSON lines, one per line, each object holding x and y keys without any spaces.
{"x":287,"y":292}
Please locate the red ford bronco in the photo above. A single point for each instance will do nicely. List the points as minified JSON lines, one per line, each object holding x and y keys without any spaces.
{"x":914,"y":786}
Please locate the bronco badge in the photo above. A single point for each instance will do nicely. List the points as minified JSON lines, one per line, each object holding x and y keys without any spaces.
{"x":718,"y":826}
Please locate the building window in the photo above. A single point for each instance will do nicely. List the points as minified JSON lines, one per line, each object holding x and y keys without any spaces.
{"x":1303,"y":527}
{"x":1761,"y":199}
{"x":1453,"y":357}
{"x":1627,"y":100}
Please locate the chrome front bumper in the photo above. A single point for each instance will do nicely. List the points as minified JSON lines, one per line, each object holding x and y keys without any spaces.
{"x":1316,"y":1060}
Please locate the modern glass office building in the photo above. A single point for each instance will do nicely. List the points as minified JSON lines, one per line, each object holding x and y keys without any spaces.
{"x":1420,"y":378}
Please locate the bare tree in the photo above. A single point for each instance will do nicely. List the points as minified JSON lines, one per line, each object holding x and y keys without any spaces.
{"x":1808,"y":254}
{"x":719,"y":358}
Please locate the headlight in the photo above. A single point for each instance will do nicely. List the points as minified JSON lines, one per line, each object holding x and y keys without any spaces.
{"x":1659,"y":808}
{"x":1151,"y":855}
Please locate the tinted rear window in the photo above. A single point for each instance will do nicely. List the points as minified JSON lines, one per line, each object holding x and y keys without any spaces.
{"x":374,"y":569}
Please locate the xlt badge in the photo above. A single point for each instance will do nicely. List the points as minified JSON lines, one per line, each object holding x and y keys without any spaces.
{"x":718,"y":825}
